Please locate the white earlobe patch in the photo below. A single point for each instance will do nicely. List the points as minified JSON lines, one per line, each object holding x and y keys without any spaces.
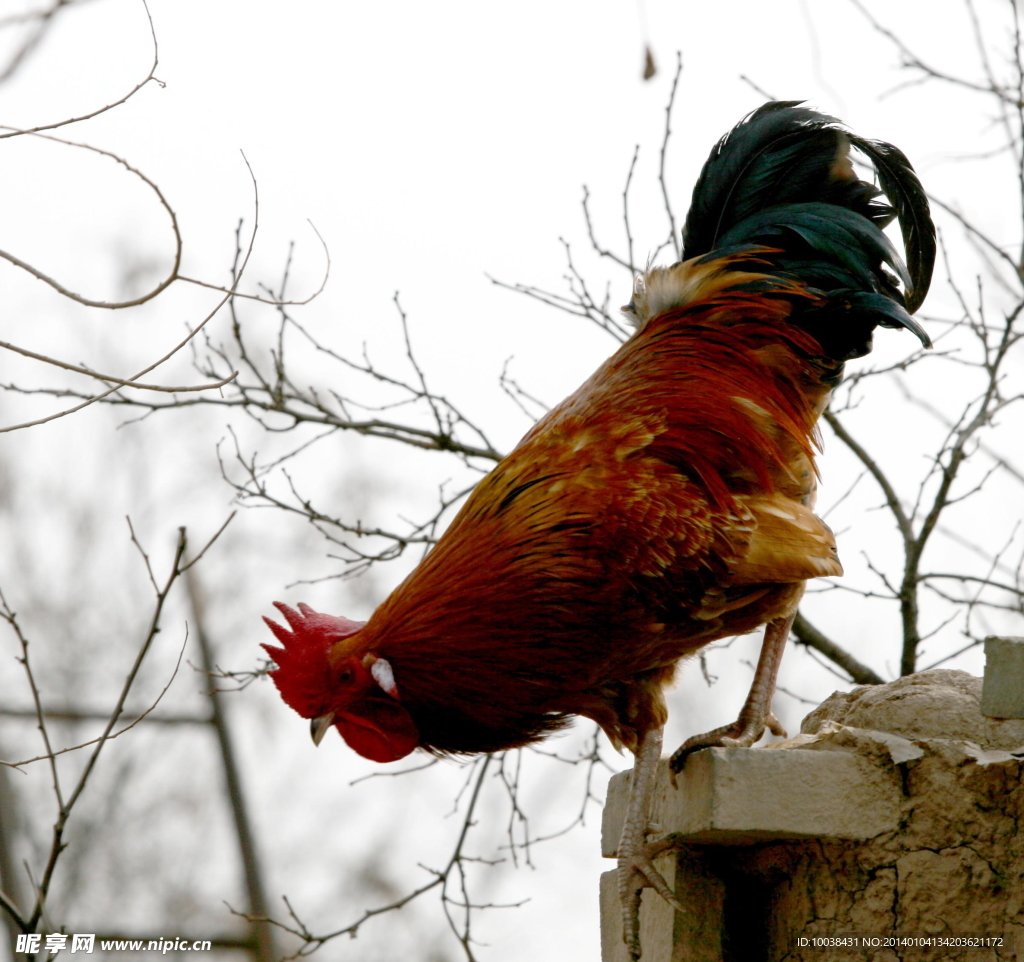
{"x":384,"y":676}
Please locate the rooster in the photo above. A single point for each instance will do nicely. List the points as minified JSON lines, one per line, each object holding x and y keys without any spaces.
{"x":667,"y":503}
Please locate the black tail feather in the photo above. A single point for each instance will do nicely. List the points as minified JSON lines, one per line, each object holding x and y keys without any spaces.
{"x":765,"y":160}
{"x":834,"y":233}
{"x":902,"y":187}
{"x":782,"y":179}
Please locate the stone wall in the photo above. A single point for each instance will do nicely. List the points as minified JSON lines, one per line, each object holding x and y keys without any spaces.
{"x":895,"y":813}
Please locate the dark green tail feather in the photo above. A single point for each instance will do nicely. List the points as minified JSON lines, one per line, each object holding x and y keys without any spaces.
{"x":901,"y":186}
{"x":839,"y":235}
{"x":745,"y":170}
{"x":778,"y":179}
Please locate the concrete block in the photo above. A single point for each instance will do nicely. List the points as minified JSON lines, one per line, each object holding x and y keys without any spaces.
{"x":1002,"y":694}
{"x":745,"y":796}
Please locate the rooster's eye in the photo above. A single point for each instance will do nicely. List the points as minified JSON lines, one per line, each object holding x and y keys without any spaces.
{"x":346,"y":676}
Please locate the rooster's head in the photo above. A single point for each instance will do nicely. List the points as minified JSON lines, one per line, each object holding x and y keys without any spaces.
{"x":326,"y":675}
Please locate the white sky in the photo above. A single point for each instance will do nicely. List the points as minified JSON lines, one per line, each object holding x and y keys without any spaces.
{"x":431,"y":144}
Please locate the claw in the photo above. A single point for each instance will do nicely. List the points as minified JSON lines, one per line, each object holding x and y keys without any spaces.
{"x":740,"y":734}
{"x":636,"y":869}
{"x":775,"y":726}
{"x":636,"y":872}
{"x":756,"y":714}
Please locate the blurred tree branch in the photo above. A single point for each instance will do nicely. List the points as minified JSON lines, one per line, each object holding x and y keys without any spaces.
{"x":261,"y":935}
{"x":68,"y":796}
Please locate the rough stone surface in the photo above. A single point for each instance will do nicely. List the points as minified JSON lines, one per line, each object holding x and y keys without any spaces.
{"x":954,"y":865}
{"x":955,"y":868}
{"x":931,"y":704}
{"x":1002,"y":694}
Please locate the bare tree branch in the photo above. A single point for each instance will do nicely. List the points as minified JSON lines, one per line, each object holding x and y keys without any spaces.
{"x":807,"y":634}
{"x":674,"y":236}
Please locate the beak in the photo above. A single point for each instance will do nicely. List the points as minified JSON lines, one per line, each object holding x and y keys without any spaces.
{"x":319,"y":727}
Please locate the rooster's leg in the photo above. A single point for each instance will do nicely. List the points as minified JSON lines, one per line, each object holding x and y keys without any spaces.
{"x":636,"y":869}
{"x":756,"y":714}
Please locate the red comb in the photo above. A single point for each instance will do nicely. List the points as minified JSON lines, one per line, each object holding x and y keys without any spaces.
{"x":302,"y":673}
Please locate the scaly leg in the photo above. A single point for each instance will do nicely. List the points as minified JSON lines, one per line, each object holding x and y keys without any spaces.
{"x":636,"y":868}
{"x":756,"y":713}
